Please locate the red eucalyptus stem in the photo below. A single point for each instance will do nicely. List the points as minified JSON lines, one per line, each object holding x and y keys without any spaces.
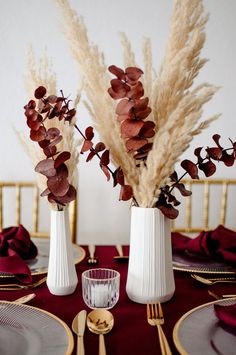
{"x":92,"y":149}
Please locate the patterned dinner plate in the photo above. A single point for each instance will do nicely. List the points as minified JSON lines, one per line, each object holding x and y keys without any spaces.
{"x":199,"y":331}
{"x":40,"y":264}
{"x":31,"y":331}
{"x":185,"y":261}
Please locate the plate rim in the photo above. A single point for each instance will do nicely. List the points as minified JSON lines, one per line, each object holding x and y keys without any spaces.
{"x":202,"y":270}
{"x":177,"y":325}
{"x":70,"y":337}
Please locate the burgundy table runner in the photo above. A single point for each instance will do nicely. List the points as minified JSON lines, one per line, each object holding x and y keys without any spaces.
{"x":131,"y":335}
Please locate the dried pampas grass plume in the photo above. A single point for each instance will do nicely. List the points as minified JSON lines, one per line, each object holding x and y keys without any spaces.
{"x":177,"y":106}
{"x":39,"y":71}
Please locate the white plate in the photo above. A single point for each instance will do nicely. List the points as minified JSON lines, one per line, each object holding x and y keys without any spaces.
{"x":200,"y":332}
{"x":30,"y":331}
{"x":39,"y":265}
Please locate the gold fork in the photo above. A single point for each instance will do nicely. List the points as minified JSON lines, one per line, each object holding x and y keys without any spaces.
{"x":155,"y":318}
{"x":13,"y":287}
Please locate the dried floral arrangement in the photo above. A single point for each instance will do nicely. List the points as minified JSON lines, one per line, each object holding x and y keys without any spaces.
{"x":40,"y":72}
{"x":177,"y":105}
{"x":132,"y":111}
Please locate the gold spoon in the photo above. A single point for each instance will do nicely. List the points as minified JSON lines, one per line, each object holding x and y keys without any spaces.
{"x":212,"y":281}
{"x":100,"y":321}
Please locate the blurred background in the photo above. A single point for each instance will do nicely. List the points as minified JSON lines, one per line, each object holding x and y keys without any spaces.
{"x":102,"y":219}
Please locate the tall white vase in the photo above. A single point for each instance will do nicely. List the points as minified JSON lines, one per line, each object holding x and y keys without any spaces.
{"x":62,"y":278}
{"x":150,"y":273}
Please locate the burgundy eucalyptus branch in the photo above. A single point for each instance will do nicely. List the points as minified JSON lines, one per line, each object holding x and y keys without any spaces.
{"x":167,"y":201}
{"x":132,"y":110}
{"x":53,"y":167}
{"x":126,"y":191}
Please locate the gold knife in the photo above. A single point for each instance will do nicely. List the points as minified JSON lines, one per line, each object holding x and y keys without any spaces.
{"x":78,"y":327}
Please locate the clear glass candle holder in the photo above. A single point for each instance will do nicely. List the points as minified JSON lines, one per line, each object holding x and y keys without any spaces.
{"x":100,"y":288}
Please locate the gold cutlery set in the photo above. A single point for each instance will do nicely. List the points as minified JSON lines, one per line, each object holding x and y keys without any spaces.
{"x":16,"y":287}
{"x":214,"y":280}
{"x":99,"y":321}
{"x":26,"y":298}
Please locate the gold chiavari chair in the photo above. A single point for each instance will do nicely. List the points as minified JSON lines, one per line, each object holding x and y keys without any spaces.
{"x":33,"y":208}
{"x":208,"y":206}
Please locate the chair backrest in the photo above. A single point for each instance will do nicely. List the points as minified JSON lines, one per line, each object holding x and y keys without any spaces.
{"x":12,"y":195}
{"x":212,"y":203}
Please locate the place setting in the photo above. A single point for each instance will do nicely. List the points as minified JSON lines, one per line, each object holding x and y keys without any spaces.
{"x":22,"y":260}
{"x":211,"y":252}
{"x":213,"y":323}
{"x":100,"y":292}
{"x":25,"y":330}
{"x":209,"y":259}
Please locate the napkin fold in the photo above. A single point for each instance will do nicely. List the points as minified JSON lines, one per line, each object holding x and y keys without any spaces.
{"x":219,"y":244}
{"x":16,"y":247}
{"x":226,"y":314}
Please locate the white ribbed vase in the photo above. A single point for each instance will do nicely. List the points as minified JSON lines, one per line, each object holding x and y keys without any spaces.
{"x":62,"y":278}
{"x":150,"y":273}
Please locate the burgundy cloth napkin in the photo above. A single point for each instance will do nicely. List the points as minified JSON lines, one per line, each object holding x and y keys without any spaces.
{"x":219,"y":243}
{"x":226,"y":314}
{"x":16,"y":247}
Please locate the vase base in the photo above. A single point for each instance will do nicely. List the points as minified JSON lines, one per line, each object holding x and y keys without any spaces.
{"x":150,"y":299}
{"x":61,"y":291}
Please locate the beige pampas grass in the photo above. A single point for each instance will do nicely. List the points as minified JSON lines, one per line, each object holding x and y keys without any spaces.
{"x":177,"y":107}
{"x":40,"y":73}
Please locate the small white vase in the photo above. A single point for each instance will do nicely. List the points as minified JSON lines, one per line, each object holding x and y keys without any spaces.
{"x":61,"y":278}
{"x":150,"y":273}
